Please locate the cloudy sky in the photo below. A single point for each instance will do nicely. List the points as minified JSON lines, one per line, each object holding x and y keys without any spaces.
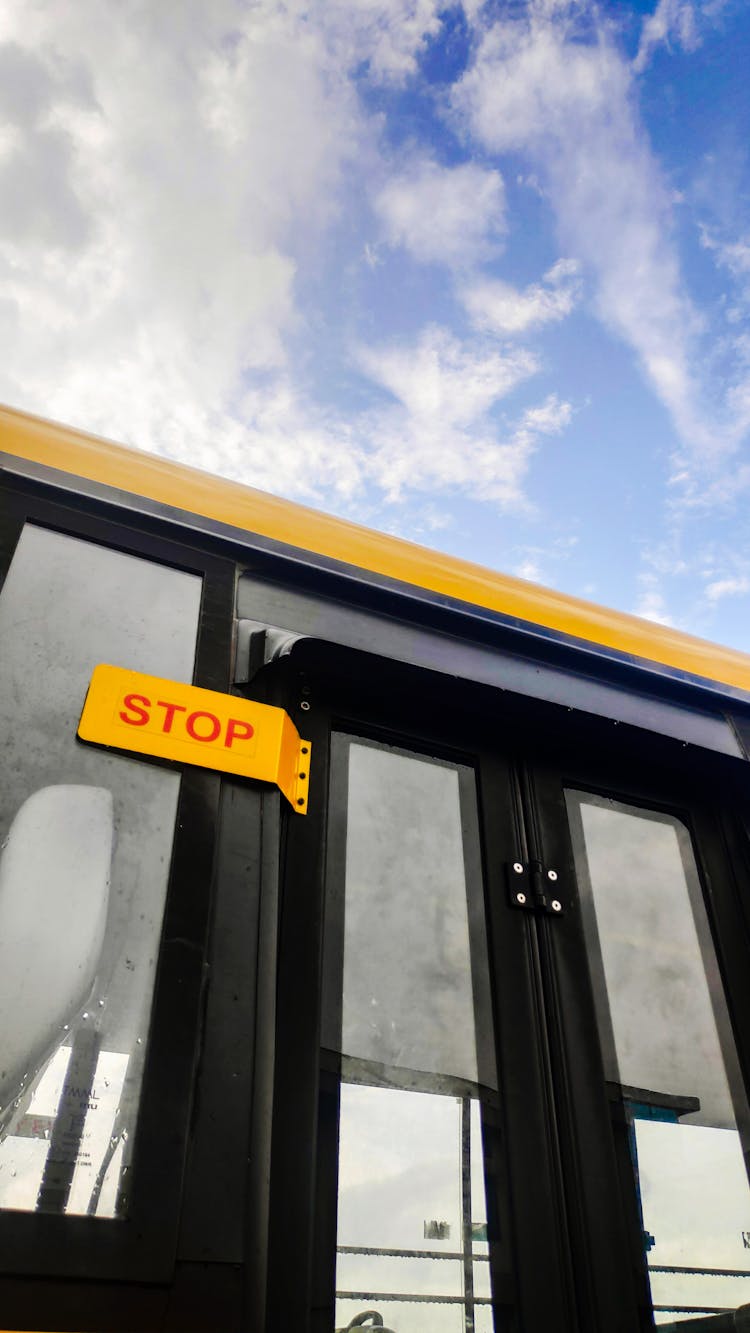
{"x":476,"y":274}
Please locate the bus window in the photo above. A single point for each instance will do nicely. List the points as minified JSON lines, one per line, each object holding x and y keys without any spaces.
{"x":408,"y":1007}
{"x":669,"y":1054}
{"x":87,"y":841}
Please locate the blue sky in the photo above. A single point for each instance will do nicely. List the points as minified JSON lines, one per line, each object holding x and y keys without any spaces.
{"x":475,"y":274}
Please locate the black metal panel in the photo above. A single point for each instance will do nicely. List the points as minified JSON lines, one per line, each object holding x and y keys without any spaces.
{"x":11,"y":525}
{"x":722,"y":847}
{"x":171,"y":1064}
{"x":261,"y":1123}
{"x":71,"y":1307}
{"x":536,"y":1218}
{"x":335,"y":623}
{"x":213,"y":1215}
{"x":608,"y":1292}
{"x":296,"y":1077}
{"x":203,"y":1298}
{"x":741,"y":723}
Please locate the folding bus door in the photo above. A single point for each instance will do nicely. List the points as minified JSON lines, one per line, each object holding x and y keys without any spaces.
{"x":420,"y":1171}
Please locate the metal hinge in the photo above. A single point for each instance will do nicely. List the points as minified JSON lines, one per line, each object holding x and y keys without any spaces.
{"x":533,"y":888}
{"x":257,"y":645}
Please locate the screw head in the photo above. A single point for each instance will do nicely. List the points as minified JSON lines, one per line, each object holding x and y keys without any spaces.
{"x":552,"y":874}
{"x":518,"y":868}
{"x":521,"y":898}
{"x":556,"y":906}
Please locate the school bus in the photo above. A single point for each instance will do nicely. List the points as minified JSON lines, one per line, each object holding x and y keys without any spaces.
{"x":374,"y":928}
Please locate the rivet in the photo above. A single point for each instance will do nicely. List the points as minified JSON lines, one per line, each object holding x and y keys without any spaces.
{"x":300,"y":800}
{"x":304,"y":750}
{"x":552,"y":874}
{"x":303,"y":775}
{"x":305,"y":706}
{"x":518,"y":867}
{"x":521,"y":898}
{"x":556,"y":906}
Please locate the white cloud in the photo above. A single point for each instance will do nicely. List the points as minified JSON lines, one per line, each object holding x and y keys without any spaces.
{"x":40,"y":202}
{"x":732,"y":255}
{"x":676,"y":22}
{"x":727,"y":587}
{"x":544,"y":564}
{"x":672,"y":19}
{"x":737,"y":256}
{"x":436,"y":435}
{"x":484,"y":464}
{"x":440,"y":433}
{"x":150,"y":238}
{"x":528,"y":569}
{"x":166,"y":178}
{"x":386,"y":35}
{"x":691,"y":575}
{"x":498,"y":307}
{"x":562,"y":94}
{"x":162,"y":180}
{"x":651,"y":604}
{"x":440,"y":380}
{"x":445,"y":215}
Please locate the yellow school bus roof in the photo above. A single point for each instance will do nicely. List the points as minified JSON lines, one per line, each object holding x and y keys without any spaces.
{"x":245,"y":510}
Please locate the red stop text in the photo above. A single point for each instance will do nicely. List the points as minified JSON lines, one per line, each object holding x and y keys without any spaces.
{"x":171,"y":719}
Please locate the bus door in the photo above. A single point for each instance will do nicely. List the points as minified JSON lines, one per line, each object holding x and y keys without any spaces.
{"x":508,"y":1080}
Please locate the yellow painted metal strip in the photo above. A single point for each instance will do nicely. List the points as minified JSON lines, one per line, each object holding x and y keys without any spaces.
{"x":254,"y":511}
{"x":148,"y":715}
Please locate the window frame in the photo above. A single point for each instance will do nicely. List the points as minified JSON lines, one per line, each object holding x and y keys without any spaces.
{"x":680,"y":782}
{"x":143,"y":1246}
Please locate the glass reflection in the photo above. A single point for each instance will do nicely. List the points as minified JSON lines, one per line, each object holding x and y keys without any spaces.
{"x":669,"y":1053}
{"x":86,"y":843}
{"x":406,"y":911}
{"x":411,"y":1202}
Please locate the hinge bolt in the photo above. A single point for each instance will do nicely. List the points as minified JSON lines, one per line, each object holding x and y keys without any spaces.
{"x":521,"y":898}
{"x":556,"y":906}
{"x":552,"y":874}
{"x":518,"y":867}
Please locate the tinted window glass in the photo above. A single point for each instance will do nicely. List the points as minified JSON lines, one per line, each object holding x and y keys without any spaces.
{"x":87,"y":839}
{"x":412,"y":1018}
{"x":669,"y":1053}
